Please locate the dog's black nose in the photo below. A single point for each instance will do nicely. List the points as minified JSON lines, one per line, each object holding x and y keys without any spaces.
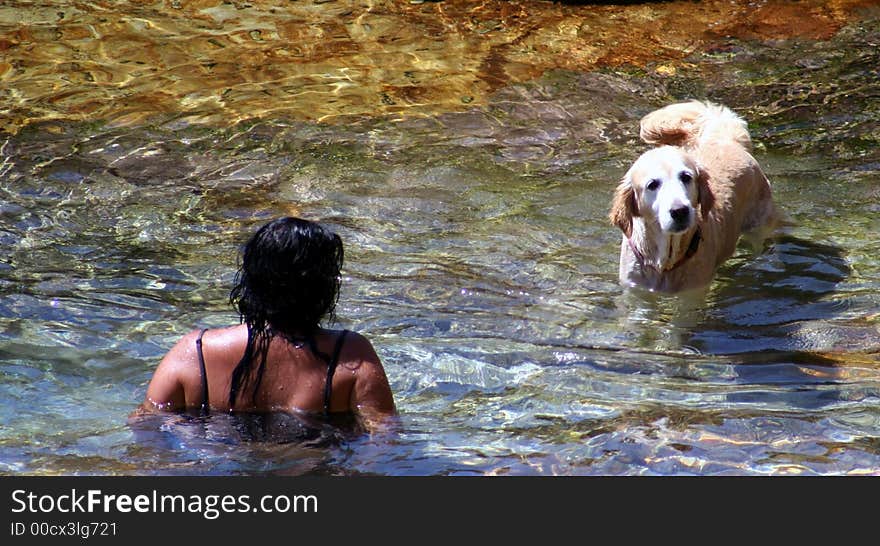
{"x":680,"y":215}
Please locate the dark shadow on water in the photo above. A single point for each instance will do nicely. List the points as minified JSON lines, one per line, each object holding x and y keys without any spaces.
{"x":792,"y":266}
{"x":756,"y":321}
{"x":242,"y":443}
{"x":759,"y":302}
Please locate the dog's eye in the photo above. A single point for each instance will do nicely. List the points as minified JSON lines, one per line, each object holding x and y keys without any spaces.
{"x":653,"y":185}
{"x":685,"y":177}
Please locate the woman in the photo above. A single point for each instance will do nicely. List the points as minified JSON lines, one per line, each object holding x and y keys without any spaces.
{"x":279,"y":358}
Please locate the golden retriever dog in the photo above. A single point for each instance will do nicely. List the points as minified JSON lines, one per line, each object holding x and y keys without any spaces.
{"x":683,"y":205}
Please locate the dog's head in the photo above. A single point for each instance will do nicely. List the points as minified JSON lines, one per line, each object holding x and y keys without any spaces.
{"x":665,"y":185}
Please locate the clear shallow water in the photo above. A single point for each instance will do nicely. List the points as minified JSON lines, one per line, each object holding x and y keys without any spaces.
{"x":480,"y":263}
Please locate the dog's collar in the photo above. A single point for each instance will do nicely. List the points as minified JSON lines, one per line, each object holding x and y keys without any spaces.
{"x":691,"y":250}
{"x":689,"y":253}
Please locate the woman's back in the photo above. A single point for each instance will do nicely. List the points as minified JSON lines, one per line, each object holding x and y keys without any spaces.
{"x":294,"y":376}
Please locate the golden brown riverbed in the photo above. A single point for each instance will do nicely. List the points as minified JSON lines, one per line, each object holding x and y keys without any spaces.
{"x":220,"y":62}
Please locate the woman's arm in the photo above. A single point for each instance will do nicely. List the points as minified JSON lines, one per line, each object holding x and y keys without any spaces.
{"x":167,"y":388}
{"x":371,"y":397}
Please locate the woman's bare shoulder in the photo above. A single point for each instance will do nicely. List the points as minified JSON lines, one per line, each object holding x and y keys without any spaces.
{"x":371,"y":394}
{"x":177,"y":369}
{"x":181,"y":353}
{"x":226,"y":337}
{"x":358,"y":350}
{"x":179,"y":372}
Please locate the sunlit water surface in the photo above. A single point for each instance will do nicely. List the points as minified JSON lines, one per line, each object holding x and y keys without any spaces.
{"x":480,"y":263}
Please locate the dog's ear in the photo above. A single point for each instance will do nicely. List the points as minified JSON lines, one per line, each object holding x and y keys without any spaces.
{"x":704,"y":192}
{"x":624,"y":207}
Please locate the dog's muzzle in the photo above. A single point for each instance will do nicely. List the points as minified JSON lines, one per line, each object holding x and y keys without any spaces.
{"x":681,"y":218}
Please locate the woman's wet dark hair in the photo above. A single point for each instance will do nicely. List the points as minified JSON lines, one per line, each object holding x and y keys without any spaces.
{"x":287,"y":283}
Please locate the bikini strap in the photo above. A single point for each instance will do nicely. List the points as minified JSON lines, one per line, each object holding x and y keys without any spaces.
{"x":204,"y":407}
{"x":331,"y":369}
